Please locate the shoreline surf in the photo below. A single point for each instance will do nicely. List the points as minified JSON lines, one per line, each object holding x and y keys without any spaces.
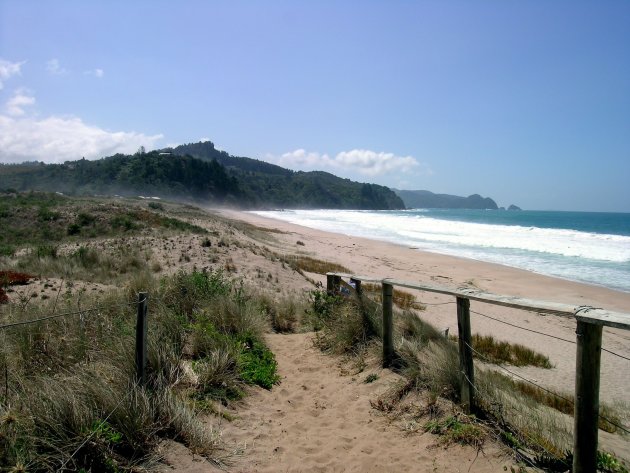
{"x":598,"y":259}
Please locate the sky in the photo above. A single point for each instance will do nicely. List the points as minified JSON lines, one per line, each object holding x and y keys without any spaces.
{"x":527,"y":102}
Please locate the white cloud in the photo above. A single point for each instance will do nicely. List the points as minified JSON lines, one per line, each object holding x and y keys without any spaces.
{"x":21,"y":98}
{"x":367,"y":162}
{"x":98,"y":73}
{"x":8,"y":69}
{"x":302,"y":159}
{"x":373,"y":163}
{"x":54,"y":67}
{"x":57,"y":139}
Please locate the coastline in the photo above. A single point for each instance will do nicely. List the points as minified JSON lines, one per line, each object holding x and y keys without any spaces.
{"x":383,"y":259}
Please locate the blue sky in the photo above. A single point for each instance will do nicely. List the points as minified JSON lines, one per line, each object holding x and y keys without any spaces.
{"x":526,"y":102}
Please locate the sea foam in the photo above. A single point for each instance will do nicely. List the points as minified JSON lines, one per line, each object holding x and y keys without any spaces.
{"x":595,"y":258}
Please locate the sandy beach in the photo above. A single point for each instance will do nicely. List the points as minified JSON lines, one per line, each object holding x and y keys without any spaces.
{"x":320,"y":419}
{"x":382,"y":259}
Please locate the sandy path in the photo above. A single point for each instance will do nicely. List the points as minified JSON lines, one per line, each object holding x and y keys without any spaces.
{"x":319,"y":420}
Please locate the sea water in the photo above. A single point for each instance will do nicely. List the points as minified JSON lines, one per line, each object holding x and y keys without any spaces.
{"x":589,"y":247}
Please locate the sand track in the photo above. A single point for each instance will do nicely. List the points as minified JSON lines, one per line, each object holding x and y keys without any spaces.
{"x":319,"y":420}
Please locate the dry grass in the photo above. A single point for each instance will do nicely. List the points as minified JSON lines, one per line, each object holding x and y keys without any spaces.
{"x":525,"y":417}
{"x":314,"y":265}
{"x":403,"y":299}
{"x":500,"y":352}
{"x":72,"y":377}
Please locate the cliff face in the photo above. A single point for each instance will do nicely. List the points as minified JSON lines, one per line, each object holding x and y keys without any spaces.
{"x":422,"y":199}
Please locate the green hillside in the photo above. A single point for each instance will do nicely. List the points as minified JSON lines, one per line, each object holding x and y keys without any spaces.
{"x":202,"y":173}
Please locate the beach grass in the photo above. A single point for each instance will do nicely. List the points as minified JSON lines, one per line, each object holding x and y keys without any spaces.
{"x":528,"y":419}
{"x":70,"y":400}
{"x":495,"y":351}
{"x":403,"y":299}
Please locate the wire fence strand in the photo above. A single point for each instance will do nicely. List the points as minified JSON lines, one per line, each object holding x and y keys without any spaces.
{"x":543,"y":333}
{"x":66,"y":314}
{"x":101,"y":424}
{"x":559,"y":396}
{"x":522,"y":328}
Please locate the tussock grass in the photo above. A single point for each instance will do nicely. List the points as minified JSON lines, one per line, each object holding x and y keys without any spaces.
{"x":285,"y":315}
{"x":527,"y":419}
{"x":86,"y":263}
{"x":72,"y":396}
{"x":457,"y":429}
{"x":563,"y":402}
{"x":39,"y":218}
{"x":515,"y":354}
{"x":314,"y":265}
{"x":403,"y":299}
{"x":343,"y":325}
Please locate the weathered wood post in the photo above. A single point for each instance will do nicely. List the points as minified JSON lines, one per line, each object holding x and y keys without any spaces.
{"x":388,"y":330}
{"x":336,"y":284}
{"x":141,"y":339}
{"x":586,"y":416}
{"x":467,"y":371}
{"x":357,"y":285}
{"x":330,"y":283}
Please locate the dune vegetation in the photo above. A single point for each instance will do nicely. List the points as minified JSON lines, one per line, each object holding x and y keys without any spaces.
{"x":70,"y":399}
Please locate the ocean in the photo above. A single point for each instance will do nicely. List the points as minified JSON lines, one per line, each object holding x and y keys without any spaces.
{"x":589,"y":247}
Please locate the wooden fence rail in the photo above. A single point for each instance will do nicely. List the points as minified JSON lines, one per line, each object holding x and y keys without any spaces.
{"x":590,"y":322}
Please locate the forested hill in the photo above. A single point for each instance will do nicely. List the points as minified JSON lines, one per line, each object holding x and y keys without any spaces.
{"x":206,"y":151}
{"x":266,"y":184}
{"x":148,"y":174}
{"x":210,"y":176}
{"x":421,"y":199}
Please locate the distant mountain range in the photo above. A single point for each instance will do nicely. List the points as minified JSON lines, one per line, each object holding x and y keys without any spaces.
{"x":200,"y":172}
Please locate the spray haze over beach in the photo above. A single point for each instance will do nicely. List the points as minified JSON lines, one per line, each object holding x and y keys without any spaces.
{"x":582,"y":246}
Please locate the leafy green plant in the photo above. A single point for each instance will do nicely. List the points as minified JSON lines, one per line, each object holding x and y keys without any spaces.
{"x":457,"y":430}
{"x":257,"y":364}
{"x":371,"y":378}
{"x":103,"y":430}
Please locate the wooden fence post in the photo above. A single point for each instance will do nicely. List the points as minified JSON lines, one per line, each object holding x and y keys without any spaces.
{"x":388,"y":335}
{"x":336,"y":284}
{"x":357,"y":285}
{"x":465,"y":355}
{"x":141,"y":339}
{"x":586,"y":415}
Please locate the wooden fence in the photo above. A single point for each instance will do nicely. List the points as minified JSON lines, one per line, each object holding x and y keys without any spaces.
{"x":590,"y":322}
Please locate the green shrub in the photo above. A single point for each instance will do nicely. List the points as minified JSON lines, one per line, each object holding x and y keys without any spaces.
{"x":74,"y":229}
{"x":87,"y":257}
{"x":257,"y":364}
{"x":84,"y":219}
{"x":123,"y":222}
{"x":46,"y":215}
{"x":7,"y":250}
{"x":47,"y":251}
